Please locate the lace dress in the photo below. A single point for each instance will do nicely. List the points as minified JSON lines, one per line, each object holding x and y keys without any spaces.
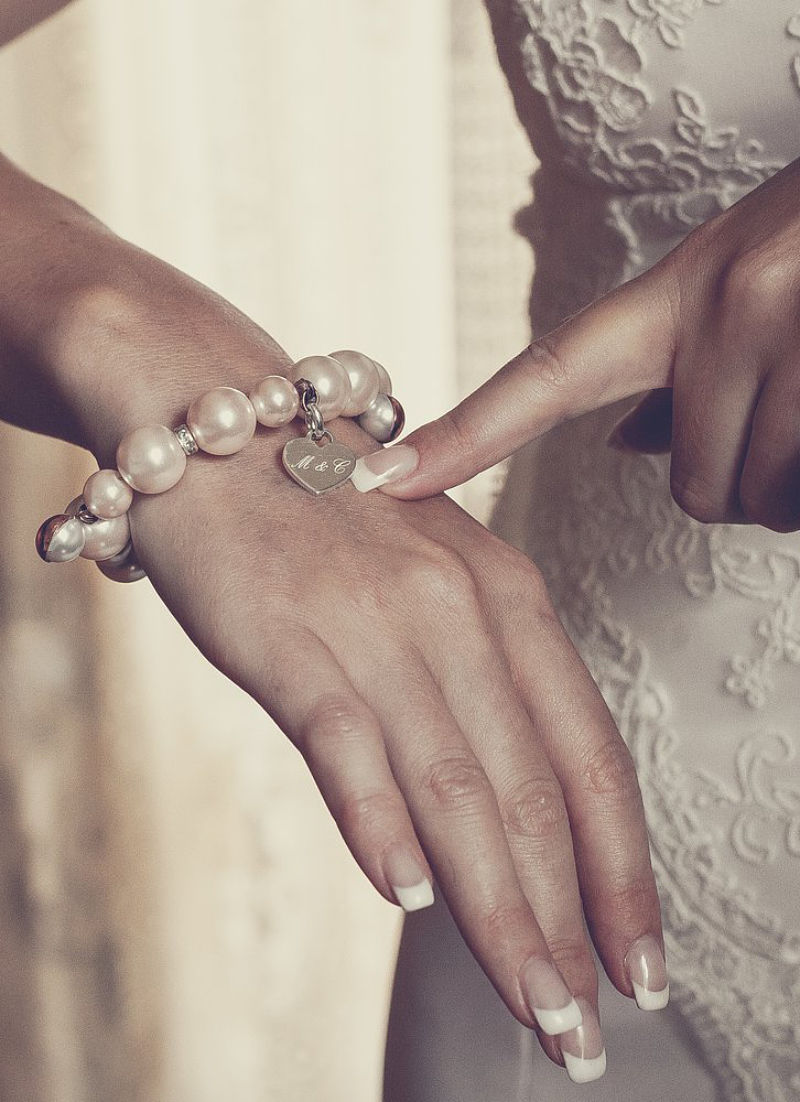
{"x":648,"y":117}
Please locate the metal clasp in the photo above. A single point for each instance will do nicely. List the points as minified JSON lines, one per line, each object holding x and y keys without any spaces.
{"x":308,"y":401}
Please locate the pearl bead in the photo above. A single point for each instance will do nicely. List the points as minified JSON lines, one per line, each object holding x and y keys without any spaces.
{"x":384,"y":420}
{"x":60,"y":538}
{"x":122,"y":567}
{"x":222,"y":420}
{"x":103,"y":538}
{"x":330,"y":380}
{"x":107,"y":494}
{"x":364,"y":380}
{"x":275,"y":401}
{"x":384,"y":382}
{"x":151,"y":459}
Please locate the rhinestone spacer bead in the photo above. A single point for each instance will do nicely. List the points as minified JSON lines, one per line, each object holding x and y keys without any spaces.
{"x":186,"y":440}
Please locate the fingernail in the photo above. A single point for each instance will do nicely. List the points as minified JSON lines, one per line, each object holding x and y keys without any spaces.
{"x":387,"y":465}
{"x":583,"y":1049}
{"x":412,"y":888}
{"x":548,"y":997}
{"x":647,"y":971}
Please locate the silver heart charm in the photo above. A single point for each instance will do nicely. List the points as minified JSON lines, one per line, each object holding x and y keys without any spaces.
{"x":318,"y":465}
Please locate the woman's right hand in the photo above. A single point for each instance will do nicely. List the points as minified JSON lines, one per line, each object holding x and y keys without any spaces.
{"x":412,"y":658}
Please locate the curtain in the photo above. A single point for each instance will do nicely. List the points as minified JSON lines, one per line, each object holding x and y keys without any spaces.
{"x":180,"y":920}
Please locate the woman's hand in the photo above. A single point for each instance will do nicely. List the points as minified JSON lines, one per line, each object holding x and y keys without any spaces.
{"x":412,"y":658}
{"x":716,"y":321}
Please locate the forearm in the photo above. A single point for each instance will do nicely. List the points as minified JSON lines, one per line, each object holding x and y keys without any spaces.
{"x":41,"y":236}
{"x":85,"y":349}
{"x":98,"y":336}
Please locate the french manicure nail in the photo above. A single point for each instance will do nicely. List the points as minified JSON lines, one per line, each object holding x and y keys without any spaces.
{"x":387,"y":465}
{"x":412,"y":888}
{"x":582,"y":1048}
{"x":647,"y":971}
{"x":548,"y":997}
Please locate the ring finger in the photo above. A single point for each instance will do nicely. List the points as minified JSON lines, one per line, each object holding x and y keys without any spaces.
{"x":458,"y":821}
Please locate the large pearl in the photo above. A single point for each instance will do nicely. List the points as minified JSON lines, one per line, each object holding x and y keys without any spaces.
{"x":384,"y":382}
{"x":330,"y":380}
{"x":222,"y":420}
{"x":151,"y":459}
{"x":123,"y":567}
{"x":107,"y":494}
{"x":384,"y":420}
{"x":60,"y":538}
{"x":364,"y":380}
{"x":275,"y":401}
{"x":104,"y":538}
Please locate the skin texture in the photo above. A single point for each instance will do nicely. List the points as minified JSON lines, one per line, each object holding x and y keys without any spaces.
{"x":412,"y":658}
{"x":713,"y":327}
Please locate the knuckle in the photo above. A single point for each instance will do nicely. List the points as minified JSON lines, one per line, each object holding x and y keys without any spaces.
{"x":547,"y":365}
{"x":457,"y":430}
{"x":504,"y":921}
{"x":695,"y":498}
{"x":361,"y":815}
{"x":571,"y":954}
{"x":609,"y":771}
{"x":526,"y":585}
{"x":456,"y":782}
{"x":332,"y":720}
{"x":443,"y":577}
{"x":755,"y":283}
{"x":535,"y":809}
{"x":369,"y":595}
{"x":518,"y":586}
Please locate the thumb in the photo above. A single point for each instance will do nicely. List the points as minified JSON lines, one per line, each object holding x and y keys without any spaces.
{"x":620,"y":345}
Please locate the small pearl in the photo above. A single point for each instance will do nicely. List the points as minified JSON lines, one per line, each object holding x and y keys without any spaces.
{"x":107,"y":494}
{"x":150,"y":459}
{"x":222,"y":420}
{"x":60,"y":538}
{"x":384,"y":420}
{"x":364,"y":380}
{"x":275,"y":401}
{"x":330,"y":381}
{"x":384,"y":383}
{"x":104,"y":538}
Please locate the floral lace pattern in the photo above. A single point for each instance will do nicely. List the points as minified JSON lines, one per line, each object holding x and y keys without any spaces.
{"x":629,"y":168}
{"x":667,"y":17}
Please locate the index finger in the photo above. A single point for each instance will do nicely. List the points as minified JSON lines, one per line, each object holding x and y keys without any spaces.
{"x":620,"y":345}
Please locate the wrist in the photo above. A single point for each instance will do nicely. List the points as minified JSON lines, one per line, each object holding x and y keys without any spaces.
{"x":152,"y":458}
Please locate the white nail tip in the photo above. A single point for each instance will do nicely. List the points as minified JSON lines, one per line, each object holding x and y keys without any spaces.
{"x":416,"y":897}
{"x":365,"y":480}
{"x":585,"y":1071}
{"x":552,"y":1022}
{"x":650,"y":1000}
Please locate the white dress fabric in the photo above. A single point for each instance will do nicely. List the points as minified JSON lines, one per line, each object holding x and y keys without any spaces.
{"x":648,"y":117}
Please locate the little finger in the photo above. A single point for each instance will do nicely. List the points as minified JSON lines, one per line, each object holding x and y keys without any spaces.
{"x":598,"y":779}
{"x":313,"y":701}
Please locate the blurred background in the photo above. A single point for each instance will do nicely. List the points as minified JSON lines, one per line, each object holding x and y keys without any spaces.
{"x":180,"y":920}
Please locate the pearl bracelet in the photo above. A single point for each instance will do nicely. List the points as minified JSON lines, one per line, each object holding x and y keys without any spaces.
{"x":152,"y":459}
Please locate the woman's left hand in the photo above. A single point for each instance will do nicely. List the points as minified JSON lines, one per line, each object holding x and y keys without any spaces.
{"x":714,"y":325}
